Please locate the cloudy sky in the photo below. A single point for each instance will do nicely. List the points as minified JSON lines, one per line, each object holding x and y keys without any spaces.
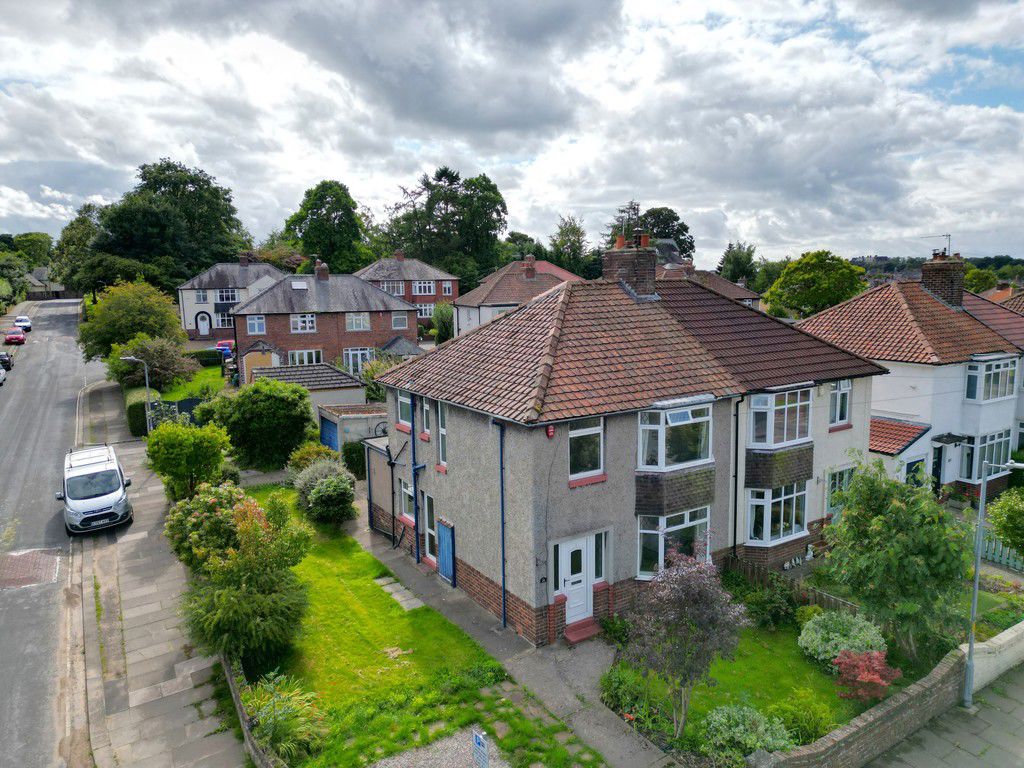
{"x":857,"y":125}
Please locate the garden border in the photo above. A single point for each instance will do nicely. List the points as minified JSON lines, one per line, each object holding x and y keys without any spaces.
{"x":261,"y":758}
{"x":803,"y":593}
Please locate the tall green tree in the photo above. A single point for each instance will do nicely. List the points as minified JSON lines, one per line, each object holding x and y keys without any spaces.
{"x":664,"y":223}
{"x":737,"y":262}
{"x":99,"y":270}
{"x":519,"y":244}
{"x":75,"y":242}
{"x":327,"y":226}
{"x":124,"y":311}
{"x":13,"y":269}
{"x":978,"y":280}
{"x":767,"y":273}
{"x":36,"y":247}
{"x":444,"y":321}
{"x":816,"y":281}
{"x":569,"y":247}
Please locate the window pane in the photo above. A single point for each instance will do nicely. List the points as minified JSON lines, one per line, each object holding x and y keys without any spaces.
{"x":972,"y":386}
{"x":649,"y":447}
{"x":585,"y":424}
{"x":798,"y":517}
{"x":757,"y":522}
{"x":682,"y":540}
{"x":675,"y":521}
{"x":787,"y":517}
{"x":688,"y":442}
{"x":780,"y":425}
{"x":584,"y":453}
{"x":649,"y":523}
{"x":599,"y":556}
{"x":803,"y":421}
{"x":556,"y":555}
{"x":776,"y":524}
{"x":698,"y":514}
{"x":650,"y":417}
{"x":575,"y":562}
{"x":760,"y":427}
{"x":649,"y":552}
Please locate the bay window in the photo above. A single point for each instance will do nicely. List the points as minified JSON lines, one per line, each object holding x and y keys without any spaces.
{"x":780,"y":419}
{"x":586,"y":447}
{"x":685,"y":532}
{"x":776,"y":514}
{"x":991,"y":381}
{"x":672,"y":439}
{"x":993,"y":448}
{"x":839,"y":403}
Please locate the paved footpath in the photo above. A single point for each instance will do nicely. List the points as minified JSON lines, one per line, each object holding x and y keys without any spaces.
{"x":150,"y":700}
{"x":992,"y":737}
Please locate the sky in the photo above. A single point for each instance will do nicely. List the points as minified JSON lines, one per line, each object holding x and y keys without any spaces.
{"x":862,"y":126}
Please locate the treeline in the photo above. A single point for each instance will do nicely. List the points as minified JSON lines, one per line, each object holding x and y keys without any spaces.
{"x":19,"y":255}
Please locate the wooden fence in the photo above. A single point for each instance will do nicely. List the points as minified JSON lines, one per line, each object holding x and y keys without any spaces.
{"x":803,"y":592}
{"x":996,"y":552}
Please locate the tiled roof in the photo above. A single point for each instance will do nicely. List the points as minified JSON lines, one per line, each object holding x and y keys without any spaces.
{"x":903,"y":322}
{"x":231,"y":275}
{"x":1005,"y":321}
{"x":338,"y":293}
{"x":402,"y":269}
{"x":588,"y":348}
{"x":367,"y":409}
{"x":316,"y":376}
{"x":891,"y":437}
{"x":1016,"y":303}
{"x":708,"y":279}
{"x":999,"y":294}
{"x":509,"y":286}
{"x":402,"y":347}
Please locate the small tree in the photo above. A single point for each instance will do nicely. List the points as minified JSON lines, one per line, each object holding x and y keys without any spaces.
{"x":681,"y":623}
{"x":902,"y":554}
{"x":375,"y":393}
{"x":186,"y":456}
{"x":864,"y":675}
{"x":165,"y":358}
{"x":816,"y":281}
{"x":1006,"y":516}
{"x":122,"y":313}
{"x":444,"y":321}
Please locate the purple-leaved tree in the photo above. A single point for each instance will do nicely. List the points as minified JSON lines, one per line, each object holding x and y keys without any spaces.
{"x":681,"y":623}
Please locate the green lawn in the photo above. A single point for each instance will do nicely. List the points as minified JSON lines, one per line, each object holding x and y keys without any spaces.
{"x":207,"y":381}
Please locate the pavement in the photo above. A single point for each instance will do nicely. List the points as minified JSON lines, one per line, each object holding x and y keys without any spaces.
{"x":455,"y":751}
{"x":150,"y":700}
{"x":42,"y":717}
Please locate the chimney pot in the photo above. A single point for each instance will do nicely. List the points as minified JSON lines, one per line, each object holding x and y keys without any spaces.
{"x":322,"y":271}
{"x":243,"y":259}
{"x":399,"y":255}
{"x":620,"y":241}
{"x":645,"y":240}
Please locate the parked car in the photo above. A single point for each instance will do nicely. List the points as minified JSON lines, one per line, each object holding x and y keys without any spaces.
{"x":3,"y":376}
{"x":6,"y":361}
{"x":15,"y":336}
{"x":24,"y":322}
{"x":226,"y":347}
{"x":95,"y":492}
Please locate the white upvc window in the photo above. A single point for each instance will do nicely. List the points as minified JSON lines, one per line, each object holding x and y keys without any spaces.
{"x":430,"y":532}
{"x":399,"y":321}
{"x":838,"y":481}
{"x":394,"y":287}
{"x":586,"y":447}
{"x":991,"y":381}
{"x":304,"y":356}
{"x":202,"y":297}
{"x":304,"y":323}
{"x":442,"y":434}
{"x":223,"y":320}
{"x":685,"y":531}
{"x":446,"y":288}
{"x":776,"y":515}
{"x":914,"y":471}
{"x":839,"y":402}
{"x":405,"y":500}
{"x":675,"y":438}
{"x":357,"y":321}
{"x":425,"y":408}
{"x":1020,"y":435}
{"x":354,"y":358}
{"x":422,"y":287}
{"x":994,"y":448}
{"x":424,"y":310}
{"x":780,"y":419}
{"x":404,"y":408}
{"x":227,"y":295}
{"x":256,"y":325}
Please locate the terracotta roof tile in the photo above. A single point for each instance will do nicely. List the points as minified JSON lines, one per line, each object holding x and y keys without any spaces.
{"x":708,"y":279}
{"x":1016,"y":303}
{"x":891,"y":437}
{"x":1005,"y":321}
{"x":509,"y":286}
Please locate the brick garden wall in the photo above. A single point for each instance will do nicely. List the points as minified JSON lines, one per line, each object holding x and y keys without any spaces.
{"x":771,"y":556}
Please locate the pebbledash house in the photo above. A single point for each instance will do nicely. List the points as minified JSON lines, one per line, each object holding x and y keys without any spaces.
{"x":545,"y":461}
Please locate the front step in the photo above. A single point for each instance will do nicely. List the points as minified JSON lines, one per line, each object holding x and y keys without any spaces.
{"x":579,"y":631}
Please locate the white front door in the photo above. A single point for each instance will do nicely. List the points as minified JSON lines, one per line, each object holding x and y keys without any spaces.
{"x":575,"y":569}
{"x":203,"y":324}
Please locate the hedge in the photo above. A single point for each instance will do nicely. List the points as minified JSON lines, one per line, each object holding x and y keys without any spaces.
{"x":135,"y":408}
{"x":206,"y":357}
{"x":355,"y":459}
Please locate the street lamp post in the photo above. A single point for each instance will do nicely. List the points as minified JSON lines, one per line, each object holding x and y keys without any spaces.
{"x":979,"y":543}
{"x":145,"y":372}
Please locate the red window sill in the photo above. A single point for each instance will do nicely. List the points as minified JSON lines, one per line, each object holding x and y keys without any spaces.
{"x":407,"y":521}
{"x":404,"y":428}
{"x":441,"y":468}
{"x":580,"y":482}
{"x":425,"y":437}
{"x":840,"y":427}
{"x":430,"y":562}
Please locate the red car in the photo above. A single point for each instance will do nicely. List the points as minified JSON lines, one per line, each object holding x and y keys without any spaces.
{"x":15,"y":336}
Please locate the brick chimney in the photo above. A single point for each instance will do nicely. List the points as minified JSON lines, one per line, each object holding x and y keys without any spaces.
{"x":943,"y":276}
{"x":530,"y":267}
{"x":399,"y":255}
{"x":321,"y":270}
{"x":633,"y":265}
{"x":243,"y":258}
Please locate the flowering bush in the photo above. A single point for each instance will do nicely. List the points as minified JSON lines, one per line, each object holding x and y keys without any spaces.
{"x":865,"y":676}
{"x":825,"y":635}
{"x":736,"y":731}
{"x":205,"y":524}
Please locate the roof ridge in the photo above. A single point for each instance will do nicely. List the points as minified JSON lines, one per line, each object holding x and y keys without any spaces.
{"x":929,"y":348}
{"x":547,"y":360}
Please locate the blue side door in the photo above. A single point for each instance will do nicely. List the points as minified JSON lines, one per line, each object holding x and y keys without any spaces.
{"x":329,"y":433}
{"x":446,"y":552}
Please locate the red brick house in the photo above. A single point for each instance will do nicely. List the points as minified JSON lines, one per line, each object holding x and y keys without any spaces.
{"x":319,"y":318}
{"x":414,"y":281}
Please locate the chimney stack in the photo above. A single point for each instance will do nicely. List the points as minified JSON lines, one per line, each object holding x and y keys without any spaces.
{"x":321,"y":270}
{"x":399,"y":255}
{"x":943,"y":276}
{"x":530,"y":267}
{"x":243,"y":258}
{"x":634,"y":266}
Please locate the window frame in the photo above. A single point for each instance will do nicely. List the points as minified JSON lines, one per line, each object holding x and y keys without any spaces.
{"x":403,"y":398}
{"x":399,"y":316}
{"x":317,"y":355}
{"x":429,"y":535}
{"x":425,"y":421}
{"x":405,"y":494}
{"x":351,"y":319}
{"x":578,"y":432}
{"x":978,"y":447}
{"x":423,"y":288}
{"x":223,"y":320}
{"x":388,"y":287}
{"x":661,"y":428}
{"x":989,"y":376}
{"x":362,"y":356}
{"x":663,"y":529}
{"x":230,"y":293}
{"x":446,"y":288}
{"x":770,"y":417}
{"x":840,"y":396}
{"x":256,"y":320}
{"x":202,"y":296}
{"x":765,"y":503}
{"x":302,"y":322}
{"x":442,"y":433}
{"x":921,"y":459}
{"x":425,"y":311}
{"x":831,"y":487}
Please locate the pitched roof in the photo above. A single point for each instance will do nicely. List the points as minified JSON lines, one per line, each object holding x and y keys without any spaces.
{"x":316,"y":376}
{"x":509,"y":286}
{"x":891,"y":437}
{"x":708,"y":279}
{"x":1000,"y":293}
{"x":338,"y":293}
{"x":1007,"y":322}
{"x":231,"y":275}
{"x":402,"y":269}
{"x":903,"y":322}
{"x":588,"y":347}
{"x":1016,"y":302}
{"x":402,"y":347}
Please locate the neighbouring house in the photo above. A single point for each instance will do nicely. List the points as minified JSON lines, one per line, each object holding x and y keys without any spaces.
{"x":1015,"y":302}
{"x":545,"y":462}
{"x":205,"y":302}
{"x":340,"y":424}
{"x":954,"y":362}
{"x":414,"y":281}
{"x":1000,"y":293}
{"x":319,"y":318}
{"x":507,"y":288}
{"x":41,"y":287}
{"x":684,"y":270}
{"x":327,"y":385}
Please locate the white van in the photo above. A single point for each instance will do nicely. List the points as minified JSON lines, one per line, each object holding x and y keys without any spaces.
{"x":95,"y":492}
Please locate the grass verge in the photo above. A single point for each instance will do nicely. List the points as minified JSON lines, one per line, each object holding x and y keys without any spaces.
{"x":207,"y":381}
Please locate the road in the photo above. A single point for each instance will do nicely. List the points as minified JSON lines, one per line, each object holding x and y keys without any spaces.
{"x":37,"y":425}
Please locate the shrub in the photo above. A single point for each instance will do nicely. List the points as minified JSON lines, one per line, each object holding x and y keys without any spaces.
{"x":737,"y":730}
{"x":307,"y":479}
{"x":616,"y":629}
{"x":331,"y":499}
{"x":806,"y":718}
{"x":824,"y":636}
{"x":306,"y":454}
{"x":772,"y":605}
{"x":1006,"y":515}
{"x":807,"y":612}
{"x":355,"y":459}
{"x":737,"y":585}
{"x":164,"y":357}
{"x":277,"y":510}
{"x":865,"y":676}
{"x":206,"y":357}
{"x":203,"y":525}
{"x":626,"y":691}
{"x":135,"y":408}
{"x":286,"y":719}
{"x":124,"y":311}
{"x":185,"y":456}
{"x":229,"y":473}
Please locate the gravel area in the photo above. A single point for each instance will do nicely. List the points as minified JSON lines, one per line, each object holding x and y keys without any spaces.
{"x":455,"y":751}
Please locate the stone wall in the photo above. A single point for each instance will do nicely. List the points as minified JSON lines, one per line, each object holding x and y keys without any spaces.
{"x":260,"y":758}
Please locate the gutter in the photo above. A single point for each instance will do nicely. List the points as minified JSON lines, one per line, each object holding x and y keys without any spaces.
{"x":736,"y":472}
{"x":501,"y":495}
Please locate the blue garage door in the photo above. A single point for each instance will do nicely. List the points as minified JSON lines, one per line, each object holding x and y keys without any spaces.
{"x":329,"y":433}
